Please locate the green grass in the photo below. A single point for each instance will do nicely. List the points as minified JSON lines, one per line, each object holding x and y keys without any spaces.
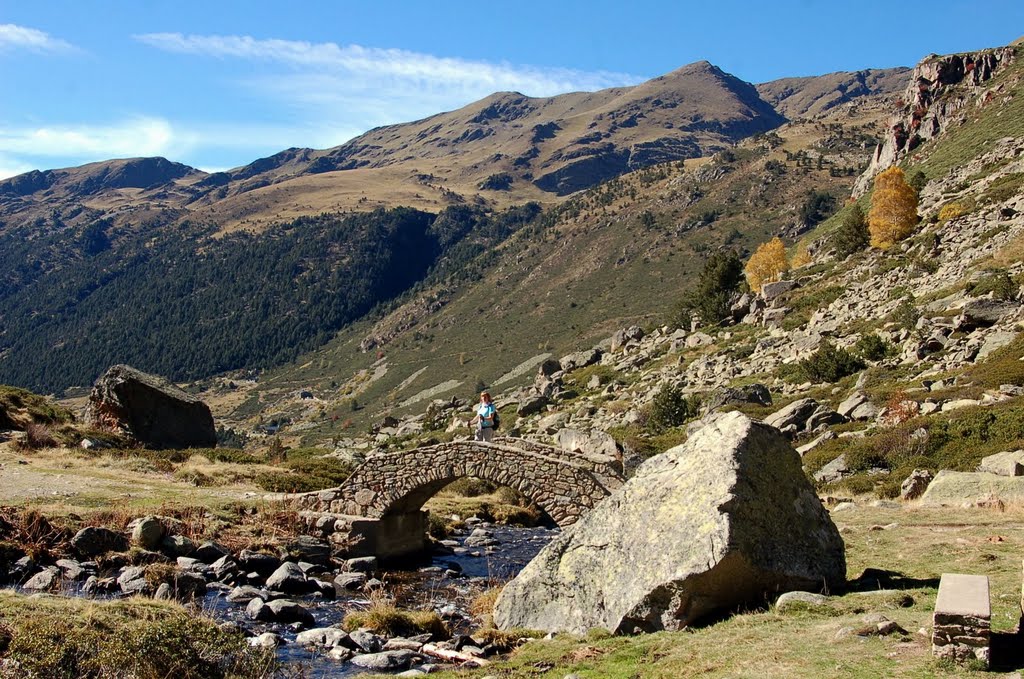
{"x":803,"y":644}
{"x":383,"y":617}
{"x":67,"y":638}
{"x":39,"y":409}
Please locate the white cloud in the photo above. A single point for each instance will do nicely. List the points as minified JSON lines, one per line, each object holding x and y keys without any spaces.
{"x":27,"y":148}
{"x":136,"y":137}
{"x":391,"y":69}
{"x":13,"y":36}
{"x":10,"y":167}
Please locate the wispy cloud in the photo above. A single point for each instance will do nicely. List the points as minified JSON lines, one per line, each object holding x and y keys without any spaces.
{"x":9,"y":167}
{"x":27,"y":148}
{"x":391,"y":68}
{"x":135,"y":137}
{"x":14,"y":37}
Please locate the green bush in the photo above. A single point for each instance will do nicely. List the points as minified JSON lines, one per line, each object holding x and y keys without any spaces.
{"x":306,"y":474}
{"x":998,"y":283}
{"x":97,"y":646}
{"x":830,"y":364}
{"x":470,"y":486}
{"x":671,"y":408}
{"x":905,"y":315}
{"x":873,"y":347}
{"x":852,"y":235}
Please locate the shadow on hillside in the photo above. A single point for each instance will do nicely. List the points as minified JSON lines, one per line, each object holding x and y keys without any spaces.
{"x":873,"y":579}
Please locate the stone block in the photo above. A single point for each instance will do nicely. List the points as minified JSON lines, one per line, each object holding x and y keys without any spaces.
{"x":961,"y":623}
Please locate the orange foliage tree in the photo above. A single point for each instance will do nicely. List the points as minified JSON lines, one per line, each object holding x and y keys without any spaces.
{"x":767,"y":264}
{"x":893,"y":209}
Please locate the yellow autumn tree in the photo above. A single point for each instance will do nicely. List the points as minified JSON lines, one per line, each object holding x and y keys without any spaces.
{"x":893,"y":209}
{"x":801,"y":257}
{"x":767,"y":264}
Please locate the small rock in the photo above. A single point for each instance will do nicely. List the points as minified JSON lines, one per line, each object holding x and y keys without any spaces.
{"x":368,"y":641}
{"x":914,"y":485}
{"x":148,"y":532}
{"x":266,"y":640}
{"x":45,"y":580}
{"x":363,"y":564}
{"x":795,"y":599}
{"x":385,"y":661}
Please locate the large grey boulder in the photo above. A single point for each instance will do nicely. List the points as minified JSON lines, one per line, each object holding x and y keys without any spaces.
{"x":150,"y":410}
{"x":594,"y":443}
{"x":1009,"y":463}
{"x":624,"y":336}
{"x":857,"y":406}
{"x":580,"y":359}
{"x":793,"y":417}
{"x":771,"y":291}
{"x":724,"y":519}
{"x":288,"y":578}
{"x":983,"y":312}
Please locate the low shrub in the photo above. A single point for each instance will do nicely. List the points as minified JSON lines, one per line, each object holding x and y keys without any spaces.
{"x":872,"y":347}
{"x":998,"y":283}
{"x":146,"y":641}
{"x":470,"y":486}
{"x":40,"y":409}
{"x":483,"y":603}
{"x":830,"y":364}
{"x":952,"y":211}
{"x":671,"y":408}
{"x":438,"y":527}
{"x":38,"y":436}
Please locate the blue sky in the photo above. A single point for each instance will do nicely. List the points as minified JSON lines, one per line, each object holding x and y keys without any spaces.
{"x":218,"y":84}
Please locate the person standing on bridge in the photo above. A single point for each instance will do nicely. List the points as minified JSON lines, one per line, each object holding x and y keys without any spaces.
{"x":486,"y":415}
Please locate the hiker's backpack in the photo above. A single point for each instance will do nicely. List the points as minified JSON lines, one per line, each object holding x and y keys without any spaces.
{"x":496,"y":421}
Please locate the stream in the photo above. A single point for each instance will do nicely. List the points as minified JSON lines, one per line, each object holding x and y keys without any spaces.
{"x":455,"y":575}
{"x":431,"y":587}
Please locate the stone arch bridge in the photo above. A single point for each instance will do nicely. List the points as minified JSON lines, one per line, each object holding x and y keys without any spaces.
{"x":379,"y":506}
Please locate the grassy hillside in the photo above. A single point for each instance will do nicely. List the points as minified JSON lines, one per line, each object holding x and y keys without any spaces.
{"x":620,"y":254}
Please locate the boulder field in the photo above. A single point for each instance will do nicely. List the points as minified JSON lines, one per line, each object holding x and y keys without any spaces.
{"x":728,"y":518}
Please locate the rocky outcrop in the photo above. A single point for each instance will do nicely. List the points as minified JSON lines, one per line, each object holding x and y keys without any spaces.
{"x":150,"y":410}
{"x":940,"y":91}
{"x":724,"y":519}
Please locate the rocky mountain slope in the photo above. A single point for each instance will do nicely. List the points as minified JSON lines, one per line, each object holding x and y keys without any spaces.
{"x":877,"y":364}
{"x":81,"y":245}
{"x":812,"y":95}
{"x":622,"y":253}
{"x":503,"y":149}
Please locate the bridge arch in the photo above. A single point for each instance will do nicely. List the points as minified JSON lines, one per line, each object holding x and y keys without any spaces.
{"x":389,"y":490}
{"x":564,"y":484}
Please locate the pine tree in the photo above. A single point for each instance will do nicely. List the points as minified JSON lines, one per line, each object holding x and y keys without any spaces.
{"x":893,"y":209}
{"x":852,"y":235}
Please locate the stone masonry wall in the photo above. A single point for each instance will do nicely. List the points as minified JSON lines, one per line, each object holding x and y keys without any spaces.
{"x":565,"y":485}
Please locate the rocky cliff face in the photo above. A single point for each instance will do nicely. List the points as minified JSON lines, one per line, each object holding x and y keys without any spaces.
{"x":941,"y":92}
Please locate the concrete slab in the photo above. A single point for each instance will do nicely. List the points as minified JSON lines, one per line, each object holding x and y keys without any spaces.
{"x":963,"y":595}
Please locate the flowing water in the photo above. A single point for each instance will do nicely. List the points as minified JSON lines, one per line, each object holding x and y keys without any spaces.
{"x":455,"y":575}
{"x":429,"y":588}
